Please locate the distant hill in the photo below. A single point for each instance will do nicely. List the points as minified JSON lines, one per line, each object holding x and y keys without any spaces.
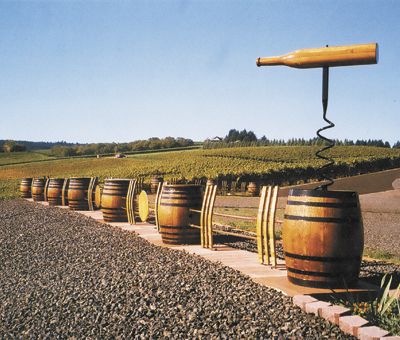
{"x":39,"y":145}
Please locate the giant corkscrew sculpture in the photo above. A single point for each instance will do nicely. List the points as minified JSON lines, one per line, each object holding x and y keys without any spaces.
{"x":325,"y":57}
{"x":323,"y":236}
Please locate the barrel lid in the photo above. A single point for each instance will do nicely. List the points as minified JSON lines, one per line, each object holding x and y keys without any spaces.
{"x":322,"y":193}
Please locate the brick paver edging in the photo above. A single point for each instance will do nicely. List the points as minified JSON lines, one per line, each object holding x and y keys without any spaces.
{"x":341,"y":316}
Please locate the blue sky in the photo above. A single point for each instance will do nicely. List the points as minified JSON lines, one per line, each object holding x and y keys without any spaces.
{"x":95,"y":71}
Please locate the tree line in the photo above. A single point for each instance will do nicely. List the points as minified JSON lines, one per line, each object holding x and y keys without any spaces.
{"x":236,"y":138}
{"x":153,"y":143}
{"x":7,"y":145}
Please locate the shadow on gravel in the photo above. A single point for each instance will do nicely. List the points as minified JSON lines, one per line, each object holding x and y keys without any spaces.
{"x":373,"y":272}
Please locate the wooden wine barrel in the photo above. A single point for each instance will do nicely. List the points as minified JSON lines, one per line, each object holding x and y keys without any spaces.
{"x":155,"y":180}
{"x":174,"y":215}
{"x":54,"y":191}
{"x":323,"y":237}
{"x":25,"y":188}
{"x":78,"y":193}
{"x":210,"y":182}
{"x":113,"y":200}
{"x":252,"y":189}
{"x":38,"y":189}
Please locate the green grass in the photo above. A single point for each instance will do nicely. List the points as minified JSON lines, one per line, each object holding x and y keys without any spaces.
{"x":381,"y":255}
{"x":9,"y":188}
{"x":24,"y":157}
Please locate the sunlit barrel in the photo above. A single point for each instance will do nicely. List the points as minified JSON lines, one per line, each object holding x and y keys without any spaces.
{"x":252,"y":189}
{"x":113,"y":200}
{"x":155,"y":180}
{"x":25,"y":187}
{"x":323,"y":237}
{"x":38,"y":189}
{"x":174,"y":215}
{"x":78,"y":193}
{"x":54,"y":191}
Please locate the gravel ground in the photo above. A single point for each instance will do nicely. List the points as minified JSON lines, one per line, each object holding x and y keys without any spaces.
{"x":382,"y":232}
{"x":381,"y":216}
{"x":64,"y":275}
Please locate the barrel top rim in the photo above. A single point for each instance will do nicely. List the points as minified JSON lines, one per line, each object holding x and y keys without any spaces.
{"x":60,"y":178}
{"x":80,"y":177}
{"x":322,"y":193}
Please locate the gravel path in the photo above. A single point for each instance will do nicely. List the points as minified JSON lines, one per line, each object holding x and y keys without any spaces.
{"x":65,"y":275}
{"x":382,"y":232}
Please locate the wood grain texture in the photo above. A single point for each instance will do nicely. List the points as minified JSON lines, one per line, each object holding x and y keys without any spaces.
{"x":38,"y":185}
{"x":25,"y":187}
{"x":351,"y":55}
{"x":323,"y":237}
{"x":54,"y":191}
{"x":174,"y":216}
{"x":252,"y":189}
{"x":113,"y":200}
{"x":155,"y":180}
{"x":78,"y":193}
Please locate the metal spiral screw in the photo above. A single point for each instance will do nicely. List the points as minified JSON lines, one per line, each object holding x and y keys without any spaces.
{"x":324,"y":175}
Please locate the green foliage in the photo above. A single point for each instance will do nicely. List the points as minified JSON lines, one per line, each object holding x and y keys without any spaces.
{"x":12,"y":146}
{"x":37,"y":145}
{"x":384,"y":302}
{"x":112,"y":148}
{"x":380,"y":255}
{"x":382,"y":311}
{"x":244,"y":138}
